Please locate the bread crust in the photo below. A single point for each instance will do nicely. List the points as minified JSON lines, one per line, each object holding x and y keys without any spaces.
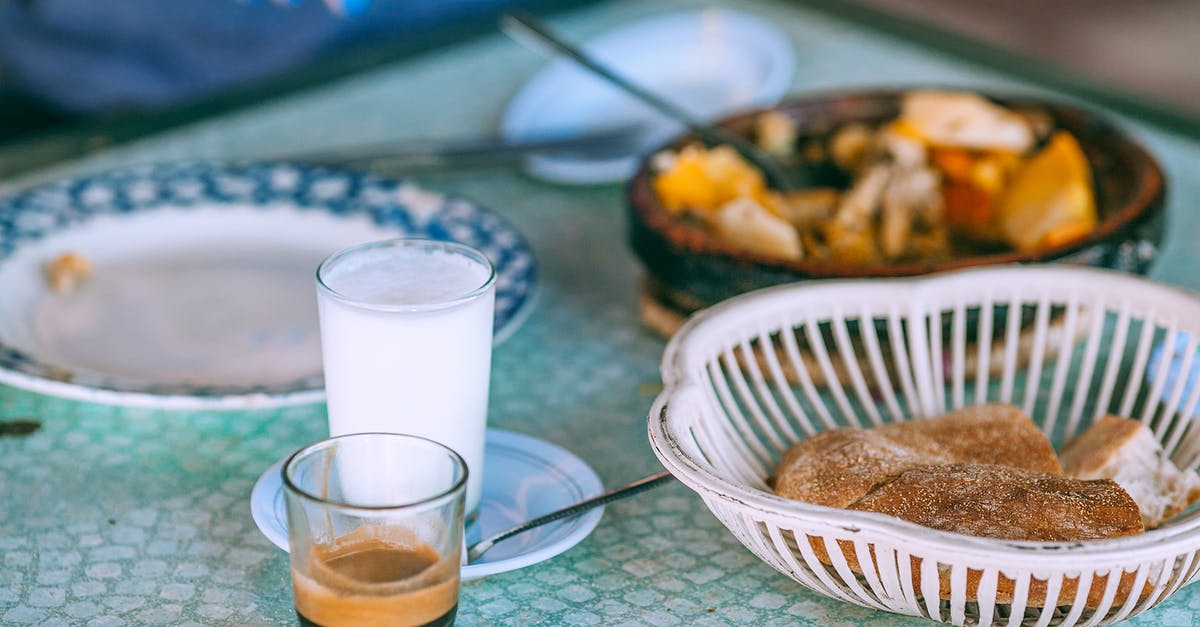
{"x":1126,"y":451}
{"x":836,"y":467}
{"x":985,"y":434}
{"x":991,"y":501}
{"x":994,"y":501}
{"x":1087,"y":454}
{"x":984,"y":471}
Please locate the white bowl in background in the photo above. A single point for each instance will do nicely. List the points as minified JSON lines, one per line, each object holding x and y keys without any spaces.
{"x":709,"y":62}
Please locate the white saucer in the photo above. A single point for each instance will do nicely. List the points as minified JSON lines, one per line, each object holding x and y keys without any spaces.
{"x":710,"y":62}
{"x":524,"y":478}
{"x":202,"y":293}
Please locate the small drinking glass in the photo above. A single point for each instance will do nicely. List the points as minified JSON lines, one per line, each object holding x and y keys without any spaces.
{"x":377,"y":549}
{"x":406,"y":335}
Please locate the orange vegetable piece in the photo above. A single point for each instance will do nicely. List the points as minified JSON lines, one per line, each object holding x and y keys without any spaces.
{"x":685,"y":185}
{"x":967,"y":207}
{"x":1050,"y":200}
{"x":1067,"y":232}
{"x":703,"y":180}
{"x":905,"y":128}
{"x":955,"y":163}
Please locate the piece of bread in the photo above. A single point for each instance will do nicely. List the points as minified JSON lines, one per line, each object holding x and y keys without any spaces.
{"x":993,"y":501}
{"x":985,"y":434}
{"x":838,"y":466}
{"x":1127,"y":452}
{"x":984,"y":471}
{"x":65,"y":272}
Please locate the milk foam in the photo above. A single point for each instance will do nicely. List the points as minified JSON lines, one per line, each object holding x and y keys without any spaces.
{"x":403,"y":278}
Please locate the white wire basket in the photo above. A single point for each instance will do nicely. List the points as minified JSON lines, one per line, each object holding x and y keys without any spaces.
{"x":750,"y":376}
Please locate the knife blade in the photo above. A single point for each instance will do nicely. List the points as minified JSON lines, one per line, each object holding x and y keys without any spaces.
{"x":606,"y":143}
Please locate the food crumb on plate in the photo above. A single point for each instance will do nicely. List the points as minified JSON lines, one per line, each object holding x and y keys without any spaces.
{"x":65,"y":272}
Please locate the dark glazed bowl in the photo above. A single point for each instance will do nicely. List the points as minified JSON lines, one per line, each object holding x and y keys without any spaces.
{"x":688,"y":268}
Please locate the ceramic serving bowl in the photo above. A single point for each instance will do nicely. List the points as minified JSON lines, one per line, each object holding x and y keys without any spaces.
{"x":688,"y":268}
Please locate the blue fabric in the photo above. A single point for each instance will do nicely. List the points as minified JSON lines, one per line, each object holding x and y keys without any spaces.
{"x":95,"y":55}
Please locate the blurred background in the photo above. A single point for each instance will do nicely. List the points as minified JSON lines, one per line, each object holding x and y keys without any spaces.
{"x":1144,"y":46}
{"x":124,"y":68}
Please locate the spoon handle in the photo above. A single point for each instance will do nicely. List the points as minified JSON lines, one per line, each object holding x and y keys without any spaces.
{"x":641,"y":485}
{"x":521,"y":25}
{"x":524,"y":27}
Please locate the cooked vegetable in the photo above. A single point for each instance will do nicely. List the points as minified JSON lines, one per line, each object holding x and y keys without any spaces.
{"x":1050,"y":200}
{"x":776,"y":133}
{"x":748,"y":225}
{"x":701,"y":180}
{"x":951,"y":173}
{"x":966,"y":121}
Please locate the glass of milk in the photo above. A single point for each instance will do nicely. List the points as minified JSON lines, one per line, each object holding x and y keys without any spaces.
{"x":406,"y":334}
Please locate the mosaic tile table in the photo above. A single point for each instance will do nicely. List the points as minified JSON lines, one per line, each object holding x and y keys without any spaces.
{"x":112,"y":516}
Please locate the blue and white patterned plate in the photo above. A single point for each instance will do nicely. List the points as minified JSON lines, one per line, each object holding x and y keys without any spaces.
{"x":201,"y":293}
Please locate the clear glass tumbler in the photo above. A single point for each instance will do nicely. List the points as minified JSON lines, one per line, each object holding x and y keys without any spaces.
{"x":392,"y":558}
{"x":406,"y":334}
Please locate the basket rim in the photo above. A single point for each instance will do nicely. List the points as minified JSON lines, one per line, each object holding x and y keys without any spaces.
{"x":1175,"y":538}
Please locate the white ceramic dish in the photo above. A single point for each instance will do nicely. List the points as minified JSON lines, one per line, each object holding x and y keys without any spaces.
{"x":748,"y":377}
{"x":710,"y":62}
{"x":524,"y":477}
{"x":202,"y":293}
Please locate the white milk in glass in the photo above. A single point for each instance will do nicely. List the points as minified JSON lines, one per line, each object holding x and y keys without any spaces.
{"x":406,"y":332}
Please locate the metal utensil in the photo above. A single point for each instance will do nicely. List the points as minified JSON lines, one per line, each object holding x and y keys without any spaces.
{"x":526,"y":28}
{"x":475,"y":551}
{"x":478,"y":152}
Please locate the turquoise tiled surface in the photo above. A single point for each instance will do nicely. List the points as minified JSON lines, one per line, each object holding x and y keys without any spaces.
{"x":115,"y":516}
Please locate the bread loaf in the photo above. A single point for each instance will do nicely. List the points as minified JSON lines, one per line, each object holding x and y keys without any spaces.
{"x":993,"y":501}
{"x":838,"y":466}
{"x":998,"y":502}
{"x":985,"y":434}
{"x":984,"y":471}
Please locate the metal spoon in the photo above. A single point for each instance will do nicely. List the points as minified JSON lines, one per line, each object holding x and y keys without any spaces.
{"x":475,"y":551}
{"x":526,"y":28}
